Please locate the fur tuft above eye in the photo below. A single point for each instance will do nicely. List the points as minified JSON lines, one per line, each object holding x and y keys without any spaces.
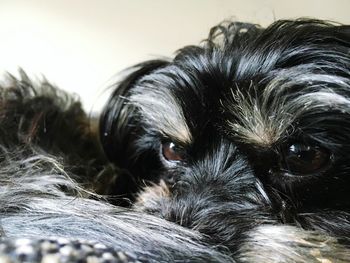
{"x":303,"y":159}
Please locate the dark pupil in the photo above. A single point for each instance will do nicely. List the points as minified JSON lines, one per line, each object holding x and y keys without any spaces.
{"x":305,"y":159}
{"x":170,"y":152}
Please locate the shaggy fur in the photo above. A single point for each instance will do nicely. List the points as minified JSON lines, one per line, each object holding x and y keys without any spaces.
{"x":234,"y":151}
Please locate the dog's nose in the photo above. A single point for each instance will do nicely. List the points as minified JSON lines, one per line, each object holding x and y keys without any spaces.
{"x":186,"y":211}
{"x":198,"y":203}
{"x":180,"y":186}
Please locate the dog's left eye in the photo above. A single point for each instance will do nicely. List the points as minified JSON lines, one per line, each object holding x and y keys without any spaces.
{"x":171,"y":152}
{"x":303,"y":159}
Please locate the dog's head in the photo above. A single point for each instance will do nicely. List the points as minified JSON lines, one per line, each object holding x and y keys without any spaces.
{"x":251,"y":127}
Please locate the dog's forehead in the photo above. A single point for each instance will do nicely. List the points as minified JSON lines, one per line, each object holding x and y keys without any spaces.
{"x":255,"y":113}
{"x":253,"y":104}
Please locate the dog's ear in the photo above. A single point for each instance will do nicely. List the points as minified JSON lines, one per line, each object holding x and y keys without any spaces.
{"x":118,"y":125}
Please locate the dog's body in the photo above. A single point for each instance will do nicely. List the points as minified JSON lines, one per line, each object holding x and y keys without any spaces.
{"x":240,"y":147}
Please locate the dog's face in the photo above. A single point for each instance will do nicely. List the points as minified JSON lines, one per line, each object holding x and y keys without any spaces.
{"x":251,"y":128}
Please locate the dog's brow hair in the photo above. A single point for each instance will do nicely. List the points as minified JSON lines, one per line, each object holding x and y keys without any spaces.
{"x":161,"y":110}
{"x":265,"y":118}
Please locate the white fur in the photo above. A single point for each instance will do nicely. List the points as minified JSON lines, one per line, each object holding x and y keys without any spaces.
{"x":290,"y":244}
{"x":263,"y":119}
{"x":162,"y":111}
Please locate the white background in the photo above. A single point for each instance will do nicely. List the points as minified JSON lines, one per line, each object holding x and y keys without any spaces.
{"x":80,"y":45}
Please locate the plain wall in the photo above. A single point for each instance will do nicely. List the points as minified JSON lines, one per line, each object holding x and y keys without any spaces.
{"x":80,"y":45}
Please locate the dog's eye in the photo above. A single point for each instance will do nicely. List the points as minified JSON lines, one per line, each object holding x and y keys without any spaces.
{"x":171,"y":152}
{"x":303,"y":159}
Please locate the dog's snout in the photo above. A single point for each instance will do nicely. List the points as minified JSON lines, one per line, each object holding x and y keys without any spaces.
{"x":181,"y":186}
{"x":209,"y":190}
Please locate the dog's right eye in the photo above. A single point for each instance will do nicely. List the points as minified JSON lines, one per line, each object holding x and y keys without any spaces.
{"x":172,"y":153}
{"x":304,"y":159}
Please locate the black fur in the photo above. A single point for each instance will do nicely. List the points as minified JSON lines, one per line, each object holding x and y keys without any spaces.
{"x":258,"y":121}
{"x":226,"y":181}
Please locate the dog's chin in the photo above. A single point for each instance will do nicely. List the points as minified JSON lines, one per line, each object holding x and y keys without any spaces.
{"x":249,"y":237}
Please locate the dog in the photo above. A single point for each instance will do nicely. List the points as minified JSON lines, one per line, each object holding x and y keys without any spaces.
{"x":235,"y":150}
